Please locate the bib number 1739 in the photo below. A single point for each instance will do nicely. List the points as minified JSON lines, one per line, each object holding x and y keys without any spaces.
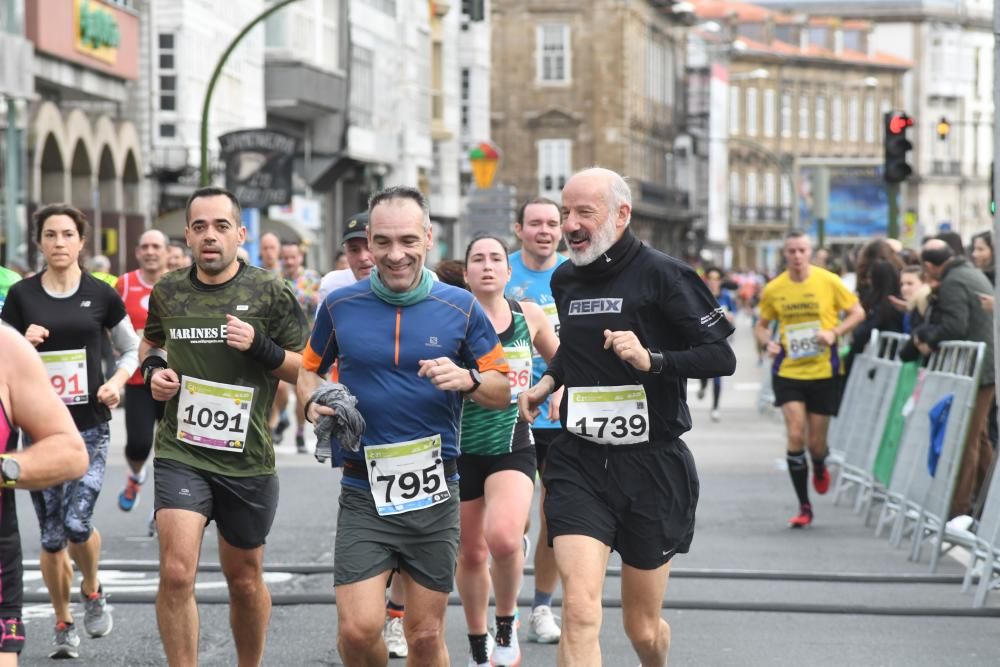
{"x":609,"y":415}
{"x":615,"y":427}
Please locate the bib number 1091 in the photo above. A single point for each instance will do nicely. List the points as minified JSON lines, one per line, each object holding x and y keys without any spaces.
{"x":218,"y":420}
{"x":410,"y":484}
{"x":617,"y":427}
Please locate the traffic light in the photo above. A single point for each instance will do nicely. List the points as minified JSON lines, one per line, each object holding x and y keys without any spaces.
{"x":993,"y":196}
{"x":896,"y":169}
{"x":943,"y":128}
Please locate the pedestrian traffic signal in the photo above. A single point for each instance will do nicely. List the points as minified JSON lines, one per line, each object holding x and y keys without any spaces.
{"x":943,"y":128}
{"x":896,"y":169}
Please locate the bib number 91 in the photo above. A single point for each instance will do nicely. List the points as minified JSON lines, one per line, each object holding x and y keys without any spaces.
{"x":620,"y":427}
{"x":411,"y":484}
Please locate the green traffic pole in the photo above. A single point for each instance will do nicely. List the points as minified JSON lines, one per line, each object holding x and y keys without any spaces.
{"x":205,"y":178}
{"x":892,"y":192}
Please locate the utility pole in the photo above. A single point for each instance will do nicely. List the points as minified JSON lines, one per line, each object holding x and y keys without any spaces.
{"x":11,"y":172}
{"x":205,"y":177}
{"x":994,"y":173}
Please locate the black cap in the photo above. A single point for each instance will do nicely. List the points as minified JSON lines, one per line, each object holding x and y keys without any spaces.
{"x":356,"y":227}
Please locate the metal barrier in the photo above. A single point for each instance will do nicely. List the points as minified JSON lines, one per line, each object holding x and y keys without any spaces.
{"x":863,"y":414}
{"x":914,"y":499}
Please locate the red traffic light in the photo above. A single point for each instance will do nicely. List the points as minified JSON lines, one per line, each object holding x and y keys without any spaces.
{"x":899,"y":122}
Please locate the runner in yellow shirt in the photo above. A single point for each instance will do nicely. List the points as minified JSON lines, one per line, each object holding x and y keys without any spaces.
{"x":806,"y":301}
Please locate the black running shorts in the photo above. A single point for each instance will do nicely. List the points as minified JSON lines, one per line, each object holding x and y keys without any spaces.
{"x":243,"y":507}
{"x":543,"y":438}
{"x":640,"y":500}
{"x":822,"y":397}
{"x":475,"y":468}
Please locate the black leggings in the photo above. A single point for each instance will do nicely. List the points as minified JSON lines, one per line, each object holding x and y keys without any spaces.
{"x":140,"y":418}
{"x":716,"y":390}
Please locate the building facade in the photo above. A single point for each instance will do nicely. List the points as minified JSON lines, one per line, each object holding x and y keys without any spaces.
{"x":599,"y":83}
{"x":800,"y":93}
{"x":950,"y":45}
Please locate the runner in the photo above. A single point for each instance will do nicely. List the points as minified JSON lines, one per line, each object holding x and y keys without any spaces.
{"x":713,"y":278}
{"x":218,"y":338}
{"x":270,"y":252}
{"x":539,"y":229}
{"x":497,"y":465}
{"x":305,"y":284}
{"x":408,"y":348}
{"x":57,"y":455}
{"x":806,"y":301}
{"x":178,"y":256}
{"x":140,"y":410}
{"x":7,"y":278}
{"x":635,"y":325}
{"x":65,"y":313}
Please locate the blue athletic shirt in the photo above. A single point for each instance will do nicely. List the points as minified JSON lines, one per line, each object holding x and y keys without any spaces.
{"x":377,"y":347}
{"x":534,"y":286}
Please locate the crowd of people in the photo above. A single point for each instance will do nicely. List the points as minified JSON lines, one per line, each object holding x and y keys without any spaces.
{"x":447,"y":393}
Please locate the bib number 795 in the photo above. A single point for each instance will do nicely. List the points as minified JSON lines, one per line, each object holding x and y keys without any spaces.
{"x":620,"y":426}
{"x":411,"y":484}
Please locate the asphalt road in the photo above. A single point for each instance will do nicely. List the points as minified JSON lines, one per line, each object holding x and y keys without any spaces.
{"x":732,"y":600}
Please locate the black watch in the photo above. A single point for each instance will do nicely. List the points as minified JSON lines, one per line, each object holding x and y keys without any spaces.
{"x":10,"y":470}
{"x":477,"y":380}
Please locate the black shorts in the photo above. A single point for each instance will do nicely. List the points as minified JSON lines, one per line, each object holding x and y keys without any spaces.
{"x":243,"y":507}
{"x":640,"y":500}
{"x":822,"y":397}
{"x":473,"y":469}
{"x":543,"y":438}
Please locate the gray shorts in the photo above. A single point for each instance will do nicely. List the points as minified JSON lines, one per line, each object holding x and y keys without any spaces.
{"x":424,"y":543}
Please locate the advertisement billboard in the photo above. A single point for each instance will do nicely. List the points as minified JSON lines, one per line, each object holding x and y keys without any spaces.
{"x":858,"y":206}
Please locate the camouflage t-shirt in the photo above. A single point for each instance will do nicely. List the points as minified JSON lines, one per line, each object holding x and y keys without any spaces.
{"x":225,"y":398}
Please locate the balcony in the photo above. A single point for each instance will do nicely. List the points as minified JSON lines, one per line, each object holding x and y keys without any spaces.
{"x":759,"y":215}
{"x":946,"y":168}
{"x":662,"y":196}
{"x":296,"y":90}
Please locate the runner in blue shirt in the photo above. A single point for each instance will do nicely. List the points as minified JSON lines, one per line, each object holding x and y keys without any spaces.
{"x":539,"y":227}
{"x":713,"y":278}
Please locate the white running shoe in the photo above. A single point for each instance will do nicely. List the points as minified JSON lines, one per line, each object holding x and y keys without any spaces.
{"x":507,"y":656}
{"x":542,"y":626}
{"x":395,"y":639}
{"x":715,"y":415}
{"x":490,"y":644}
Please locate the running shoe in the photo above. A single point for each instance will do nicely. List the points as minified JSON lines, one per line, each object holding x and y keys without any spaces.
{"x":701,"y":393}
{"x":129,"y":496}
{"x":300,"y":443}
{"x":715,"y":415}
{"x":97,"y":619}
{"x":821,"y":482}
{"x":395,"y":639}
{"x":542,"y":626}
{"x":66,"y":643}
{"x":485,"y":659}
{"x":507,"y":652}
{"x":526,"y":543}
{"x":279,"y":430}
{"x":803,"y":519}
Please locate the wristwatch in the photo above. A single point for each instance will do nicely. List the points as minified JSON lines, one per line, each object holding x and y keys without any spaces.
{"x":10,"y":470}
{"x":477,"y":380}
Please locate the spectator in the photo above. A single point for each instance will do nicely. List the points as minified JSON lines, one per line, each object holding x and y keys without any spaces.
{"x":982,"y":255}
{"x":958,"y":315}
{"x":880,"y":312}
{"x":954,"y":241}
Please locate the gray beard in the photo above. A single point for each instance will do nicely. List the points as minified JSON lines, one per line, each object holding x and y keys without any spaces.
{"x":600,"y":243}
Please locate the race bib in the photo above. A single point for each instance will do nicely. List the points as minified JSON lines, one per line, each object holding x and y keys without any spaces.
{"x":407,"y":476}
{"x":213,"y":414}
{"x":67,"y":371}
{"x":519,"y":361}
{"x":608,"y":415}
{"x":552,"y":313}
{"x":802,"y":341}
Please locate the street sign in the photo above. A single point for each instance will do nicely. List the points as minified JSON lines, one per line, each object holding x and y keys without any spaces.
{"x":259,"y":166}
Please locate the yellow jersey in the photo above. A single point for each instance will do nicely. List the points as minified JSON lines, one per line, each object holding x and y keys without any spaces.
{"x":802,"y":310}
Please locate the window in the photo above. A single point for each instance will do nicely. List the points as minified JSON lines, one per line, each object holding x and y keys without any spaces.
{"x":734,"y":188}
{"x":870,"y":120}
{"x":852,"y":118}
{"x":473,"y":10}
{"x":552,"y":46}
{"x":818,"y":37}
{"x":554,"y":166}
{"x":659,"y":69}
{"x":751,"y":112}
{"x":786,"y":190}
{"x":751,"y":198}
{"x":168,"y":76}
{"x":786,"y":115}
{"x":770,"y":190}
{"x":803,"y":116}
{"x":362,"y":86}
{"x":329,"y":55}
{"x":166,"y":46}
{"x":836,"y":117}
{"x":384,"y":6}
{"x":821,"y":117}
{"x":769,"y":113}
{"x":734,"y":109}
{"x":786,"y":33}
{"x":465,"y":76}
{"x":168,"y":130}
{"x":853,"y":40}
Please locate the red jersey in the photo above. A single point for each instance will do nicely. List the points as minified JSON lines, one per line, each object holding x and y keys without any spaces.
{"x":135,"y":292}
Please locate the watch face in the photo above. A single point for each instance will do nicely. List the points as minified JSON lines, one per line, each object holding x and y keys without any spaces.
{"x":11,"y":469}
